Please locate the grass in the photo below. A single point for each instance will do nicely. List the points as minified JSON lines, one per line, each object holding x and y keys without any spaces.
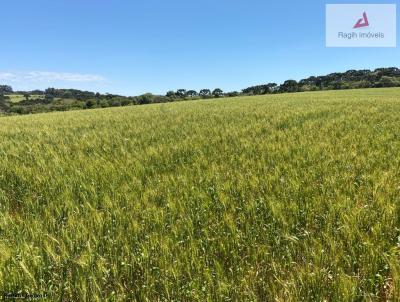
{"x":271,"y":198}
{"x":16,"y":98}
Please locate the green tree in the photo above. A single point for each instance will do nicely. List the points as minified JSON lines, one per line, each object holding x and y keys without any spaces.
{"x":170,"y":94}
{"x":205,"y":93}
{"x":90,"y":103}
{"x":26,"y":96}
{"x":4,"y":89}
{"x":191,"y":93}
{"x":4,"y":103}
{"x":386,"y":81}
{"x":217,"y":92}
{"x":181,"y":93}
{"x":289,"y":86}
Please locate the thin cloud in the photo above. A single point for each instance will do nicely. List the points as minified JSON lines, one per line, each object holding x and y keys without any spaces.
{"x":49,"y":76}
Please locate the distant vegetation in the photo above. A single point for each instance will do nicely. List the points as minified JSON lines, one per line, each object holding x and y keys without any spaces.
{"x":352,"y":79}
{"x":24,"y":102}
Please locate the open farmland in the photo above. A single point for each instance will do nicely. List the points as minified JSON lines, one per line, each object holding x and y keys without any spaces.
{"x":282,"y":197}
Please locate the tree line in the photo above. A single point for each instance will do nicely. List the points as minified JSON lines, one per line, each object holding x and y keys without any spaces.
{"x":351,"y":79}
{"x":53,"y":99}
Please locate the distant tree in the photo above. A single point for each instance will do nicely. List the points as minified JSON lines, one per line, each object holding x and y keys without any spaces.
{"x":272,"y":87}
{"x":103,"y":103}
{"x":5,"y":89}
{"x":336,"y":85}
{"x":170,"y":94}
{"x":36,"y":92}
{"x":147,"y":98}
{"x":389,"y":72}
{"x":217,"y":92}
{"x":26,"y":96}
{"x":232,"y":94}
{"x":50,"y":92}
{"x":289,"y":86}
{"x":90,"y":103}
{"x":261,"y":89}
{"x":361,"y":84}
{"x":191,"y":93}
{"x":386,"y":81}
{"x":49,"y":98}
{"x":4,"y":103}
{"x":70,"y":94}
{"x":125,"y":101}
{"x":205,"y":93}
{"x":303,"y":88}
{"x":181,"y":93}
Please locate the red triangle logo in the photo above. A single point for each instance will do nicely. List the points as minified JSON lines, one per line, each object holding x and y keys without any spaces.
{"x":363,"y":22}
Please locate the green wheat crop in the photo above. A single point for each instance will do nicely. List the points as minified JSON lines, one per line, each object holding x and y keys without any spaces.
{"x":292,"y":197}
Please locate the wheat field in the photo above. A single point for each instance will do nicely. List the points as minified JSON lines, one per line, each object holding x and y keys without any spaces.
{"x":292,"y":197}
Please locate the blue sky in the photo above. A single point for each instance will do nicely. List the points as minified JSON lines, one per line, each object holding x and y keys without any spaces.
{"x":133,"y":47}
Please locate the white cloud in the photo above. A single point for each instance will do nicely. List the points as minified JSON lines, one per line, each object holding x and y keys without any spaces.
{"x":49,"y":76}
